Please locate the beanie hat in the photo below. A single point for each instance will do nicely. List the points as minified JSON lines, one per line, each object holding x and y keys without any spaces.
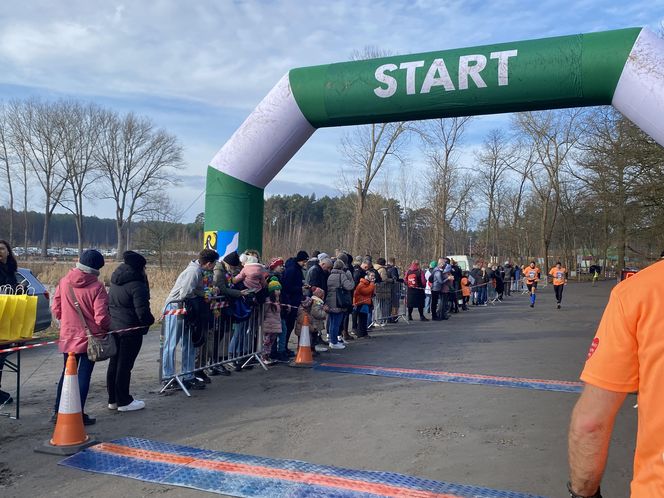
{"x":92,"y":259}
{"x":232,"y":259}
{"x":433,"y":264}
{"x":323,"y":256}
{"x":302,"y":256}
{"x":344,"y":257}
{"x":274,"y":262}
{"x":134,"y":259}
{"x":243,"y":258}
{"x":339,"y":265}
{"x":318,"y":292}
{"x":273,"y":285}
{"x":251,"y":260}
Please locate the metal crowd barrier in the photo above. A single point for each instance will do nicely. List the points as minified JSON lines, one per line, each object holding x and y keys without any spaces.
{"x":225,"y":340}
{"x":389,"y":303}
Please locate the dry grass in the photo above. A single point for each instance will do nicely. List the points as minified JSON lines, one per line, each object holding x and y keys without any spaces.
{"x":161,"y":281}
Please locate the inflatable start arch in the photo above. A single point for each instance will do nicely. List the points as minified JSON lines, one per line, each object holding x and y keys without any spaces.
{"x":624,"y":68}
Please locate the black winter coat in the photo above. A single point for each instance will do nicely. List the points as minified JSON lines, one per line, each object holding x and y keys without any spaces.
{"x":129,"y":300}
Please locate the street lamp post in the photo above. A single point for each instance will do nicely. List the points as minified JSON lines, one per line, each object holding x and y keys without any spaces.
{"x":384,"y":210}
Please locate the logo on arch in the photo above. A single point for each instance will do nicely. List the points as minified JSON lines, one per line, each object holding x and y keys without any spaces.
{"x":593,"y":348}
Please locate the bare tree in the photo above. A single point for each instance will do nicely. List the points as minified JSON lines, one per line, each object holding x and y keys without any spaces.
{"x":36,"y":129}
{"x":496,"y":156}
{"x":138,"y":162}
{"x":160,"y":220}
{"x":80,"y":129}
{"x":552,"y":136}
{"x":443,"y":138}
{"x":6,"y":159}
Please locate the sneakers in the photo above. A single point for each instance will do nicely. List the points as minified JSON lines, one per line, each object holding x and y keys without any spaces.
{"x":558,"y":305}
{"x":137,"y":404}
{"x":338,"y":345}
{"x":219,"y":371}
{"x":202,"y":376}
{"x":112,"y":406}
{"x":320,"y":348}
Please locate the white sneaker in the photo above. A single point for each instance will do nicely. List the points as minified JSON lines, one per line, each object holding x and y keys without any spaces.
{"x":112,"y":406}
{"x":137,"y":404}
{"x":338,"y":345}
{"x":320,"y":348}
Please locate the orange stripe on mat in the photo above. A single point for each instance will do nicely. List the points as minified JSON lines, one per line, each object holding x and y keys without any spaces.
{"x":271,"y":473}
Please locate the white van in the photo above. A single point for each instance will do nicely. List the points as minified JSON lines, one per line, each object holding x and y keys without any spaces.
{"x":463,"y":261}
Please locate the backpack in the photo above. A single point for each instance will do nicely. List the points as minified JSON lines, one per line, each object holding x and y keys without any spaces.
{"x":413,"y":279}
{"x":430,"y":279}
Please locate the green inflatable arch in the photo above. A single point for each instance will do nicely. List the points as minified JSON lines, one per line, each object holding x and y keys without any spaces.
{"x":624,"y":68}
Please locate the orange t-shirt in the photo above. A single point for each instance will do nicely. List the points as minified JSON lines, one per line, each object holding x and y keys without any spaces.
{"x":627,"y":354}
{"x":465,"y":287}
{"x":531,"y":274}
{"x":558,"y":275}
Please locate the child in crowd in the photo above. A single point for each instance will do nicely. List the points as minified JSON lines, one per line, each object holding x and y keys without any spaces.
{"x":465,"y":291}
{"x":363,"y":301}
{"x":253,"y":274}
{"x":271,"y":320}
{"x":313,"y":307}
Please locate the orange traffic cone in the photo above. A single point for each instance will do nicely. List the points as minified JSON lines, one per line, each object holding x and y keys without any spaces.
{"x":69,"y":436}
{"x":304,"y":357}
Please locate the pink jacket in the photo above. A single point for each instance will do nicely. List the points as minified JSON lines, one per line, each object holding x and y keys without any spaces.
{"x":93,"y":300}
{"x":254,"y":276}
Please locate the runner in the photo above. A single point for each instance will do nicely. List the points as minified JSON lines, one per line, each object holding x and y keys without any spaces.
{"x":532,"y":274}
{"x":559,"y":275}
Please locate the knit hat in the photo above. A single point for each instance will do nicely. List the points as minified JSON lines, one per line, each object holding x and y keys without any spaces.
{"x":318,"y":292}
{"x":135,"y":260}
{"x":274,"y":262}
{"x":339,"y":265}
{"x":251,"y":260}
{"x":243,"y":258}
{"x":302,"y":256}
{"x":323,"y":256}
{"x":433,"y":264}
{"x":92,"y":259}
{"x":273,"y":285}
{"x":232,"y":259}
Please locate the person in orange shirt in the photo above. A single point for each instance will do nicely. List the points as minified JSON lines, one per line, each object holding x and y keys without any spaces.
{"x":559,"y":275}
{"x":363,"y":302}
{"x":625,"y":356}
{"x":532,"y":274}
{"x":465,"y":291}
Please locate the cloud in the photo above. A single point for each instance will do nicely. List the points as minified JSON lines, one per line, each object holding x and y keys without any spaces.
{"x":285,"y":187}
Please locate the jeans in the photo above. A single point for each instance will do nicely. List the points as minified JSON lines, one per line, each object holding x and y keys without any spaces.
{"x":290,"y":317}
{"x":174,"y":327}
{"x":427,"y":303}
{"x":85,"y":367}
{"x":335,"y":326}
{"x":482,"y":295}
{"x":118,"y":375}
{"x":239,"y":342}
{"x":281,"y":342}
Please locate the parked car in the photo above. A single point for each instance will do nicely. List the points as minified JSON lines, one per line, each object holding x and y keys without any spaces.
{"x":25,"y":278}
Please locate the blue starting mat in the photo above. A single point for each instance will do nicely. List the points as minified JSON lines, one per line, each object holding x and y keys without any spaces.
{"x":250,"y":476}
{"x":462,"y":378}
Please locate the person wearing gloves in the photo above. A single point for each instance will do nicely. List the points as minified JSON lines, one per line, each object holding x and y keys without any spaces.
{"x":129,"y":305}
{"x":81,"y":285}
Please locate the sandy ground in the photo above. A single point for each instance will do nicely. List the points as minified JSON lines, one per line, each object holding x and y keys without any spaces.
{"x":510,"y":439}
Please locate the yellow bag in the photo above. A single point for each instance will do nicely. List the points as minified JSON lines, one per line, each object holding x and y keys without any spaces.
{"x":3,"y":304}
{"x":6,"y":330}
{"x":29,"y":317}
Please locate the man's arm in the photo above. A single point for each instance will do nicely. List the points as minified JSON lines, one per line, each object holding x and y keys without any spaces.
{"x":590,"y":435}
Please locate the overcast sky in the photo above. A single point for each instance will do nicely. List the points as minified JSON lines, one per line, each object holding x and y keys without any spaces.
{"x":198,"y":68}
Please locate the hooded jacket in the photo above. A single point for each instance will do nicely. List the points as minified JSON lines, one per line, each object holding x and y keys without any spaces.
{"x":187,"y":283}
{"x":364,"y":293}
{"x":93,"y":301}
{"x":129,"y":300}
{"x":337,"y":279}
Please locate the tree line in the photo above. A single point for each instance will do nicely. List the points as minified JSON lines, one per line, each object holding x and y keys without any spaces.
{"x":67,"y":151}
{"x":553,"y":185}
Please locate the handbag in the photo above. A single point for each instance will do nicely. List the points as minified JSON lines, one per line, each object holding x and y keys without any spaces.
{"x":99,"y":349}
{"x":344,"y":298}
